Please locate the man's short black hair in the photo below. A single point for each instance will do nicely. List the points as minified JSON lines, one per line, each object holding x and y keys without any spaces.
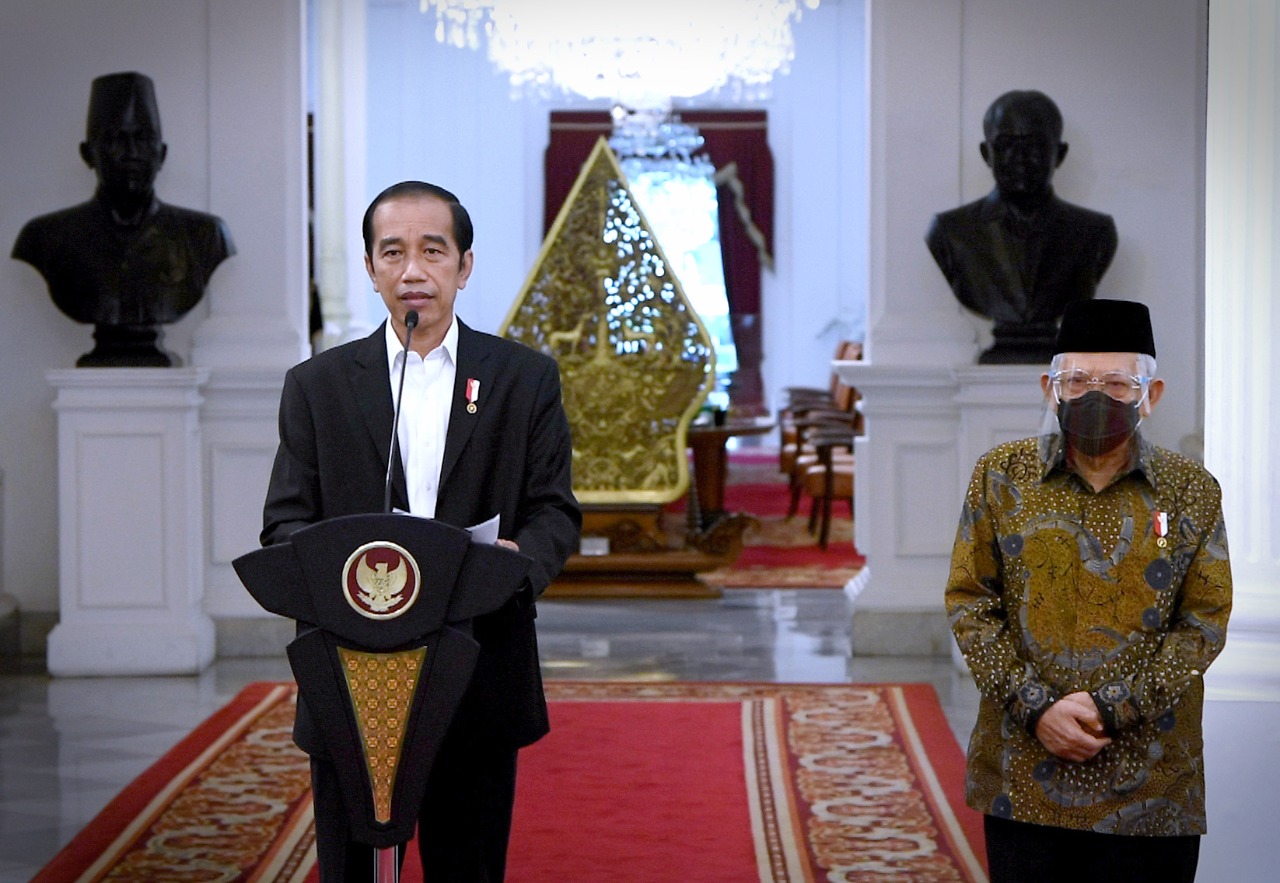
{"x":1038,"y":104}
{"x":463,"y":233}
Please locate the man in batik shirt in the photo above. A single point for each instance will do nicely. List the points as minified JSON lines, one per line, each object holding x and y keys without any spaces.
{"x":1089,"y":591}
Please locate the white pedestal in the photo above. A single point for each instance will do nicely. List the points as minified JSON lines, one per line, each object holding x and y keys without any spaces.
{"x":130,"y":523}
{"x":904,"y":505}
{"x":998,"y":403}
{"x":239,"y":436}
{"x":926,"y":427}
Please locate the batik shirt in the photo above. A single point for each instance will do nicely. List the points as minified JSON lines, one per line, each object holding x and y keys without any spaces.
{"x":1122,"y":593}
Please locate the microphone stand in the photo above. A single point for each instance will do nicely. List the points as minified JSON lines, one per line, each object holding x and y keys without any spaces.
{"x":386,"y":862}
{"x":410,"y":322}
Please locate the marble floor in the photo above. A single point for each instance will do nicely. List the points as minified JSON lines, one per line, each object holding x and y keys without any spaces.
{"x":68,"y":745}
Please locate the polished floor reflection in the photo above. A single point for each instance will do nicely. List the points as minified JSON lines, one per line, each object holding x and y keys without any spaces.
{"x":67,"y":746}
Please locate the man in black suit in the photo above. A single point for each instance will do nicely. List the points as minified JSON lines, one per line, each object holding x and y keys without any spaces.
{"x":482,"y":433}
{"x":1020,"y":254}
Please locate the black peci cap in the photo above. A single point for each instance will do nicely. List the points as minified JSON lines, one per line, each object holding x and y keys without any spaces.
{"x":1105,"y":326}
{"x":112,"y":96}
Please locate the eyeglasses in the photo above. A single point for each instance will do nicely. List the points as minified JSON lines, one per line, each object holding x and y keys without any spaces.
{"x":1118,"y":385}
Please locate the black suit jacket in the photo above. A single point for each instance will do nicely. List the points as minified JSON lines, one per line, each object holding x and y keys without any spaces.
{"x":510,"y":458}
{"x":1022,"y":280}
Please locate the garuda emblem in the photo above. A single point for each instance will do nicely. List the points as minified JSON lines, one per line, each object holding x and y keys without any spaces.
{"x":380,"y":580}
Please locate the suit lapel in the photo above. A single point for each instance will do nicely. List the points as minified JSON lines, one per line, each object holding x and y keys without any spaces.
{"x":474,"y":364}
{"x":370,"y":379}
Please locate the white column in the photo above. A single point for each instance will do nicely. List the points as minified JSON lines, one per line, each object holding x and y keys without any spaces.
{"x":997,"y":404}
{"x":257,"y":184}
{"x":1242,"y":326}
{"x":239,"y":435}
{"x":129,"y":523}
{"x":339,"y":177}
{"x":257,"y":325}
{"x":914,"y":50}
{"x":905,"y":493}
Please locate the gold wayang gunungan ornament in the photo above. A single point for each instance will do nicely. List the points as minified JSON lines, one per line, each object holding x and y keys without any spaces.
{"x":635,"y":360}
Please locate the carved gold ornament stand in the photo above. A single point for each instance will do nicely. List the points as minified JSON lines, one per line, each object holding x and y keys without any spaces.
{"x":636,"y":364}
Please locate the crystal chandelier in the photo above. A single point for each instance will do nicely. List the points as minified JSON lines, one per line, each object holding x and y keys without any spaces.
{"x":640,"y":56}
{"x":660,"y":157}
{"x":653,"y":141}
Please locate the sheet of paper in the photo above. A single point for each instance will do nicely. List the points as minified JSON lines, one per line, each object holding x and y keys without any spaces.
{"x":485,"y":531}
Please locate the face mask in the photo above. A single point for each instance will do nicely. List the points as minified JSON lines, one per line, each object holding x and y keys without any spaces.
{"x":1095,"y":423}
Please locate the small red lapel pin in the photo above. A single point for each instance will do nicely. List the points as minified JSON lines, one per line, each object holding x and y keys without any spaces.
{"x":473,"y":393}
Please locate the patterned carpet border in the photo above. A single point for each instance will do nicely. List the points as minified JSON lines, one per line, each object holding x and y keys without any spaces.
{"x":847,"y":783}
{"x":230,"y":802}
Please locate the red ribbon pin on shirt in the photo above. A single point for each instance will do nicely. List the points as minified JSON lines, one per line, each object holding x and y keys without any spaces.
{"x":1160,"y":526}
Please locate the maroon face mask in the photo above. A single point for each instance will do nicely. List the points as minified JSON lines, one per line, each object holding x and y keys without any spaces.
{"x":1095,"y":423}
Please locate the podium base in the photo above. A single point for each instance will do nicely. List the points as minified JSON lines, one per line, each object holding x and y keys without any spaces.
{"x":166,"y":648}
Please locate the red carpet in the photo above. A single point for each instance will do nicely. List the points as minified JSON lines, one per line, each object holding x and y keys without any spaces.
{"x":638,"y":783}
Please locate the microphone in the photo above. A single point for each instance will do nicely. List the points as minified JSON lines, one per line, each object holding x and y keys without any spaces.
{"x":410,"y":322}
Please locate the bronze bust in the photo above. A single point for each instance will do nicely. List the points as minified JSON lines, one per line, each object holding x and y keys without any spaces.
{"x":125,"y":261}
{"x":1020,"y":254}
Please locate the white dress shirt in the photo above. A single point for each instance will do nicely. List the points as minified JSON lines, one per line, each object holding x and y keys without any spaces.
{"x":424,"y":413}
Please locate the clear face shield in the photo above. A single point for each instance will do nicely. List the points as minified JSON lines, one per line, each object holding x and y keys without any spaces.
{"x":1096,"y":406}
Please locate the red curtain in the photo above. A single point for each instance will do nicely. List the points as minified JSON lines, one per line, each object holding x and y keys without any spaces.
{"x":737,"y":142}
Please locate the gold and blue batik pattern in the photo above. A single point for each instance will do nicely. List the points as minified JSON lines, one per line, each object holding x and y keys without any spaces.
{"x":1123,"y":593}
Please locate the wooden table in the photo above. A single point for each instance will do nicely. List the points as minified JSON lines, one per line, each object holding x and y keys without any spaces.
{"x":711,"y":459}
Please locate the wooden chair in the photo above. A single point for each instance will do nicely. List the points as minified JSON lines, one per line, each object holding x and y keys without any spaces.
{"x":845,"y":349}
{"x":803,"y":398}
{"x":816,"y":427}
{"x":808,"y":404}
{"x":829,"y":478}
{"x":808,"y":414}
